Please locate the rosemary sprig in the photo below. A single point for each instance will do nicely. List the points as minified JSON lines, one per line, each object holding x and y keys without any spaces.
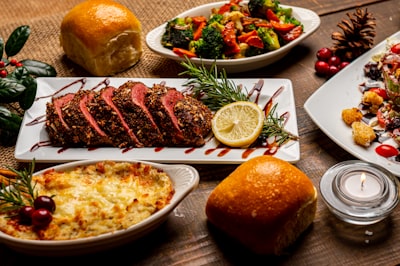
{"x":215,"y":91}
{"x":211,"y":86}
{"x":19,"y":191}
{"x":274,"y":127}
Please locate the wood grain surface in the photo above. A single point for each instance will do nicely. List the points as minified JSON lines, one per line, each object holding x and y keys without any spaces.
{"x":186,"y":238}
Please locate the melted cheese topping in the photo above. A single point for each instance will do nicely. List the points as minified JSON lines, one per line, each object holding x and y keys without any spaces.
{"x":96,"y":199}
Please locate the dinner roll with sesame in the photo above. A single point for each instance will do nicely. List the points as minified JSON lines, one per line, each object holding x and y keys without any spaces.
{"x":265,"y":204}
{"x":102,"y":36}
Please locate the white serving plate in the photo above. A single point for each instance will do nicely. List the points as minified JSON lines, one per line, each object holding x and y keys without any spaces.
{"x":31,"y":135}
{"x":325,"y":106}
{"x":185,"y":179}
{"x":310,"y":20}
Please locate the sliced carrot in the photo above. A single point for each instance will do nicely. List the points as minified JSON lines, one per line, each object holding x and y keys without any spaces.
{"x":244,"y":36}
{"x":282,"y":27}
{"x":197,"y":33}
{"x":263,"y":24}
{"x":182,"y":52}
{"x":199,"y":19}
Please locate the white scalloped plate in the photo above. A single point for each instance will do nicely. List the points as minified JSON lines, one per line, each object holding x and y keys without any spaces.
{"x":185,"y":179}
{"x":31,"y":136}
{"x":310,"y":20}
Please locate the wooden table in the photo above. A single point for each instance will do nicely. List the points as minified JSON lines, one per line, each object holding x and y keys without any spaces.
{"x":186,"y":238}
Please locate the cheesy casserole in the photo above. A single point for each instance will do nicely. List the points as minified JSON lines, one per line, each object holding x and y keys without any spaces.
{"x":96,"y":199}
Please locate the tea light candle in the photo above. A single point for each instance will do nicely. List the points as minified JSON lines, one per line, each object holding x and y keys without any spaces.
{"x":361,"y":186}
{"x":359,"y":192}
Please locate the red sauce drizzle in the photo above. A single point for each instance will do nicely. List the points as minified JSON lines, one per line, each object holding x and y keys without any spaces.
{"x":39,"y":119}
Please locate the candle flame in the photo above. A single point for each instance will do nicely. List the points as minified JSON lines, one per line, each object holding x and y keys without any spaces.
{"x":362,"y":178}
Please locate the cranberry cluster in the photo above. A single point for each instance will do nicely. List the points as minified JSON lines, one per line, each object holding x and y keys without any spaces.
{"x":3,"y":70}
{"x":328,"y":64}
{"x":40,"y":214}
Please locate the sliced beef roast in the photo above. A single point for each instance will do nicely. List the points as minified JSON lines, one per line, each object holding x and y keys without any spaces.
{"x":132,"y":115}
{"x":130,"y":99}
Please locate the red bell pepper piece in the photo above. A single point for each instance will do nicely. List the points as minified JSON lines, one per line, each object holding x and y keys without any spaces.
{"x":182,"y":52}
{"x":271,"y":16}
{"x":255,"y":41}
{"x":292,"y":34}
{"x":229,"y":37}
{"x":228,"y":7}
{"x":282,"y":27}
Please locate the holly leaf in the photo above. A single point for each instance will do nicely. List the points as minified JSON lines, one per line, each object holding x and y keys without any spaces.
{"x":10,"y":88}
{"x":27,"y":97}
{"x":1,"y":47}
{"x":38,"y":68}
{"x":17,"y":40}
{"x":9,"y":126}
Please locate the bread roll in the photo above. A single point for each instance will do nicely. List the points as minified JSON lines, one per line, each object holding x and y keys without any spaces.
{"x":265,"y":204}
{"x":102,"y":36}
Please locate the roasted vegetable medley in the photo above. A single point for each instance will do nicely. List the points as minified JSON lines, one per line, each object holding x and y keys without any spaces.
{"x":233,"y":30}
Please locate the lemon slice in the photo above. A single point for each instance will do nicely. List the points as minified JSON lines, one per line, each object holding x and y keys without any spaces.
{"x":238,"y":124}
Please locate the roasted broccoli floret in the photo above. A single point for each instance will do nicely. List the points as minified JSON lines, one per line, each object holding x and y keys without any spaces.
{"x":215,"y":18}
{"x":286,"y":16}
{"x":178,"y":33}
{"x":269,"y":38}
{"x":258,"y":8}
{"x":211,"y":43}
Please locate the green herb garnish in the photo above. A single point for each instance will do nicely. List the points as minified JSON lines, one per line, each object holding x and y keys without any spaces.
{"x":211,"y":86}
{"x":215,"y":90}
{"x":19,"y":191}
{"x":274,"y":127}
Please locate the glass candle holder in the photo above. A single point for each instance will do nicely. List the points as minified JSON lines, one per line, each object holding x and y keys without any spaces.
{"x":359,"y":192}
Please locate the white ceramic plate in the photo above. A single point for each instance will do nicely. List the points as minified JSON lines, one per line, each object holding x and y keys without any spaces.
{"x":31,"y":136}
{"x":310,"y":20}
{"x":185,"y":179}
{"x":340,"y":92}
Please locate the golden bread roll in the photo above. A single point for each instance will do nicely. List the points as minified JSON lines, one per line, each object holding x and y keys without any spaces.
{"x":265,"y":204}
{"x":102,"y":36}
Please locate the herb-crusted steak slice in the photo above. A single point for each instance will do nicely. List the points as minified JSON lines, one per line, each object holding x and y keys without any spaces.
{"x":130,"y":100}
{"x":84,"y":128}
{"x":112,"y":120}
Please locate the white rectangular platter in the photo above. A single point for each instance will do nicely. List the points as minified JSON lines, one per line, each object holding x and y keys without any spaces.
{"x":30,"y":136}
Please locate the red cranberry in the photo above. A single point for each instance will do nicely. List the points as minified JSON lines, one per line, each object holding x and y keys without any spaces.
{"x":3,"y":73}
{"x":322,"y":68}
{"x":334,"y":61}
{"x":343,"y":64}
{"x":25,"y":214}
{"x":324,"y":54}
{"x":41,"y":217}
{"x":45,"y":202}
{"x":333,"y":70}
{"x":13,"y":62}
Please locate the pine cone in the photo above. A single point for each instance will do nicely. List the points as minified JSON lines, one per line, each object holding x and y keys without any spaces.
{"x":357,"y":37}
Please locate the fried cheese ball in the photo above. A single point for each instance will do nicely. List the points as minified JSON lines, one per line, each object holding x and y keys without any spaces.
{"x":351,"y":115}
{"x":373,"y":100}
{"x":362,"y":133}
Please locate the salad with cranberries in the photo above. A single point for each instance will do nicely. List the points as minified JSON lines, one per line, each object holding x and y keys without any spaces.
{"x":383,"y":75}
